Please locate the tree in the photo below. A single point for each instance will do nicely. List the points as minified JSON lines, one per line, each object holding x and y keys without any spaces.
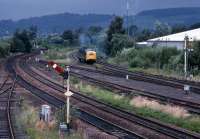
{"x":92,"y":33}
{"x":195,"y":26}
{"x":21,"y":42}
{"x":33,"y":32}
{"x":161,"y":29}
{"x":166,"y":54}
{"x":178,"y":28}
{"x":116,"y":27}
{"x":70,"y":36}
{"x":194,"y":59}
{"x":4,"y":49}
{"x":133,"y":29}
{"x":119,"y":42}
{"x":144,"y":35}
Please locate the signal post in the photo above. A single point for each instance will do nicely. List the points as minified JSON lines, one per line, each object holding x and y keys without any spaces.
{"x":68,"y":94}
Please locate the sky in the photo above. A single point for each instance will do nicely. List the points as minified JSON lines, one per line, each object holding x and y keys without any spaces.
{"x":18,"y":9}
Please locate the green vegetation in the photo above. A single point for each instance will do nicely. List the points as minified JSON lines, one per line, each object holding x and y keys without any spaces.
{"x":4,"y":48}
{"x":92,"y":33}
{"x":59,"y":54}
{"x":70,"y":37}
{"x":191,"y":123}
{"x":194,"y":58}
{"x":148,"y":58}
{"x":116,"y":27}
{"x":28,"y":119}
{"x":159,"y":60}
{"x":22,"y":40}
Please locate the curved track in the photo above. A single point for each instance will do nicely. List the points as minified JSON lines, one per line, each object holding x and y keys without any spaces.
{"x":139,"y":88}
{"x":106,"y":126}
{"x":151,"y":87}
{"x":154,"y":125}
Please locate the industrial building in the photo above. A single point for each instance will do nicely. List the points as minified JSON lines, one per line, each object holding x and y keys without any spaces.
{"x":173,"y":40}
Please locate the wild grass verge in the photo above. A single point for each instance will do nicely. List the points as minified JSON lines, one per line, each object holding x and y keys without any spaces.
{"x":28,"y":119}
{"x":155,"y":110}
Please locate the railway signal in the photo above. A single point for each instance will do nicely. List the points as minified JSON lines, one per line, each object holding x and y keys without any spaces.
{"x":66,"y":75}
{"x":59,"y":69}
{"x":68,"y":94}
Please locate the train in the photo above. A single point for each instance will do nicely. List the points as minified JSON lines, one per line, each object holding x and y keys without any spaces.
{"x":87,"y":55}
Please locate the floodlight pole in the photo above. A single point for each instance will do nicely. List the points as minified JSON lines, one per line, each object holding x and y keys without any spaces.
{"x":127,"y":10}
{"x":186,"y":56}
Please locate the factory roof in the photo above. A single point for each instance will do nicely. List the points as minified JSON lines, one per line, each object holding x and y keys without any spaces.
{"x":192,"y":34}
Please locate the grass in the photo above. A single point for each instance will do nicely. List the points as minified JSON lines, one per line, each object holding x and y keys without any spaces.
{"x":191,"y":122}
{"x":28,"y":119}
{"x":155,"y":71}
{"x":175,"y":111}
{"x":59,"y":55}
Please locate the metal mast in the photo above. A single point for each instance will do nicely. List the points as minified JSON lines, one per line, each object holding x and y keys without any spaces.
{"x":127,"y":12}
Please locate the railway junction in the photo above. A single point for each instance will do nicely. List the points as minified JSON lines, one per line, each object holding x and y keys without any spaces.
{"x":45,"y":85}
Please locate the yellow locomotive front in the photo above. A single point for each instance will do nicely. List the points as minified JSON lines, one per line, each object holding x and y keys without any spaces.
{"x":91,"y":56}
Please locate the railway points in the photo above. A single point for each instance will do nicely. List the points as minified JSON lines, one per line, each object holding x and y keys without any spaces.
{"x":40,"y":77}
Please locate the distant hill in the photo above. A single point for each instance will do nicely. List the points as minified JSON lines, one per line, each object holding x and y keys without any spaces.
{"x":172,"y":16}
{"x":56,"y":23}
{"x":59,"y":22}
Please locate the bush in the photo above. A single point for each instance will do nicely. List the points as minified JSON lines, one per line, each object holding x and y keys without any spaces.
{"x":194,"y":56}
{"x":4,"y":49}
{"x":119,"y":42}
{"x":166,"y":54}
{"x":151,"y":57}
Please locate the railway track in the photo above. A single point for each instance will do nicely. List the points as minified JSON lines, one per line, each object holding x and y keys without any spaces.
{"x":4,"y":82}
{"x":92,"y":119}
{"x":157,"y":79}
{"x":153,"y":125}
{"x":6,"y":124}
{"x":190,"y":105}
{"x":116,"y":71}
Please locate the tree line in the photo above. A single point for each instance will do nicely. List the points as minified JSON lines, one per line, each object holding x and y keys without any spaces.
{"x":23,"y":40}
{"x":117,"y":41}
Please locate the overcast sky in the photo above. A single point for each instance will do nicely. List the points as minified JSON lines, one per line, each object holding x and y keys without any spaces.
{"x":17,"y":9}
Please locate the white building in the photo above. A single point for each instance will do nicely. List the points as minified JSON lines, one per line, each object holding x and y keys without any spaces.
{"x":173,"y":40}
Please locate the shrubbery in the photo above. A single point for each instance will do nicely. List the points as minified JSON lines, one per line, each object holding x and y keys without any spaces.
{"x":119,"y":42}
{"x":4,"y":49}
{"x":151,"y":57}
